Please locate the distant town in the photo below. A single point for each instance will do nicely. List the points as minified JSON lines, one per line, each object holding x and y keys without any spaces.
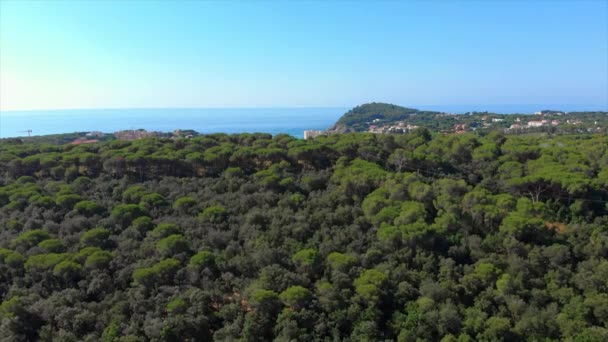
{"x":485,"y":121}
{"x":389,"y":119}
{"x":131,"y":134}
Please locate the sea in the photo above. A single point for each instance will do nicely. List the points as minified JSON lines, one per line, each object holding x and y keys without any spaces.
{"x":292,"y":121}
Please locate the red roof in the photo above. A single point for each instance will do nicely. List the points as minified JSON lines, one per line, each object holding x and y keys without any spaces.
{"x":78,"y":142}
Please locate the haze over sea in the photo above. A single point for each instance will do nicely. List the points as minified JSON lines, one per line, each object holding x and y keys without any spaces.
{"x":291,"y":121}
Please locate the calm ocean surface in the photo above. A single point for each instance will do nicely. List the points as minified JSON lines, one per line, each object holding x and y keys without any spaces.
{"x":292,"y":121}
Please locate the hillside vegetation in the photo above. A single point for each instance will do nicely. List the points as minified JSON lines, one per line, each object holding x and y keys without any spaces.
{"x":356,"y":237}
{"x":388,"y":118}
{"x":359,"y":118}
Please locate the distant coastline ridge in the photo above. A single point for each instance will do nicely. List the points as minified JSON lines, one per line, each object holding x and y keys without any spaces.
{"x":389,"y":118}
{"x":299,"y":122}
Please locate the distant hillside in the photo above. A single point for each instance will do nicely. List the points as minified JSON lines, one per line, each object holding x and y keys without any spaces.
{"x":388,"y":118}
{"x":359,"y":118}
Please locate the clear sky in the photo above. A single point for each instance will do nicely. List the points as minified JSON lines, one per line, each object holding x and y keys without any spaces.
{"x":109,"y":54}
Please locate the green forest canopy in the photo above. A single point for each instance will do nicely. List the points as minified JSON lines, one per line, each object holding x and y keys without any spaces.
{"x":346,"y":237}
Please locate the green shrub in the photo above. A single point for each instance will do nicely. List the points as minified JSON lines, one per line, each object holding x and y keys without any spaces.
{"x":32,"y":237}
{"x":213,"y":214}
{"x":177,"y":306}
{"x":165,"y":229}
{"x":134,"y":194}
{"x":88,"y":208}
{"x":341,"y":261}
{"x":52,"y":246}
{"x":68,"y":201}
{"x":203,"y":259}
{"x":99,"y":259}
{"x":154,"y":200}
{"x":67,"y":270}
{"x":306,"y":257}
{"x":142,"y":224}
{"x":184,"y":203}
{"x":173,"y":244}
{"x":158,"y":274}
{"x":96,"y":237}
{"x":296,"y":296}
{"x":45,"y":261}
{"x":369,"y":284}
{"x":124,"y":214}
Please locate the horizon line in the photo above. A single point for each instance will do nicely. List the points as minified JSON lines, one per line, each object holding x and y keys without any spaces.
{"x":544,"y":107}
{"x":163,"y":107}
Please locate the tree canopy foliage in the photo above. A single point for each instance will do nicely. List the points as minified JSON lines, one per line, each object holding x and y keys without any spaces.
{"x":256,"y":237}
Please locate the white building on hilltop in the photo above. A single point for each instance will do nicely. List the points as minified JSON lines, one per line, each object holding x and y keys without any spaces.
{"x":535,"y":123}
{"x":312,"y":134}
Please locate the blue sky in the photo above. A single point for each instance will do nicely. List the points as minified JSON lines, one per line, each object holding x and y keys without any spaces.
{"x":110,"y":54}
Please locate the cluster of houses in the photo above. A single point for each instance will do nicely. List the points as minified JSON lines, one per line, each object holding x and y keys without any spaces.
{"x":466,"y":122}
{"x":397,"y":127}
{"x":534,"y":123}
{"x":519,"y":124}
{"x":134,"y":134}
{"x":131,"y":134}
{"x":89,"y":138}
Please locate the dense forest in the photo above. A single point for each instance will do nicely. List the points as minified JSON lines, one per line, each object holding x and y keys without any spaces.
{"x":346,"y":237}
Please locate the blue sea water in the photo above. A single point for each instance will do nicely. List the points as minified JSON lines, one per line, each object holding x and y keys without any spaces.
{"x":292,"y":121}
